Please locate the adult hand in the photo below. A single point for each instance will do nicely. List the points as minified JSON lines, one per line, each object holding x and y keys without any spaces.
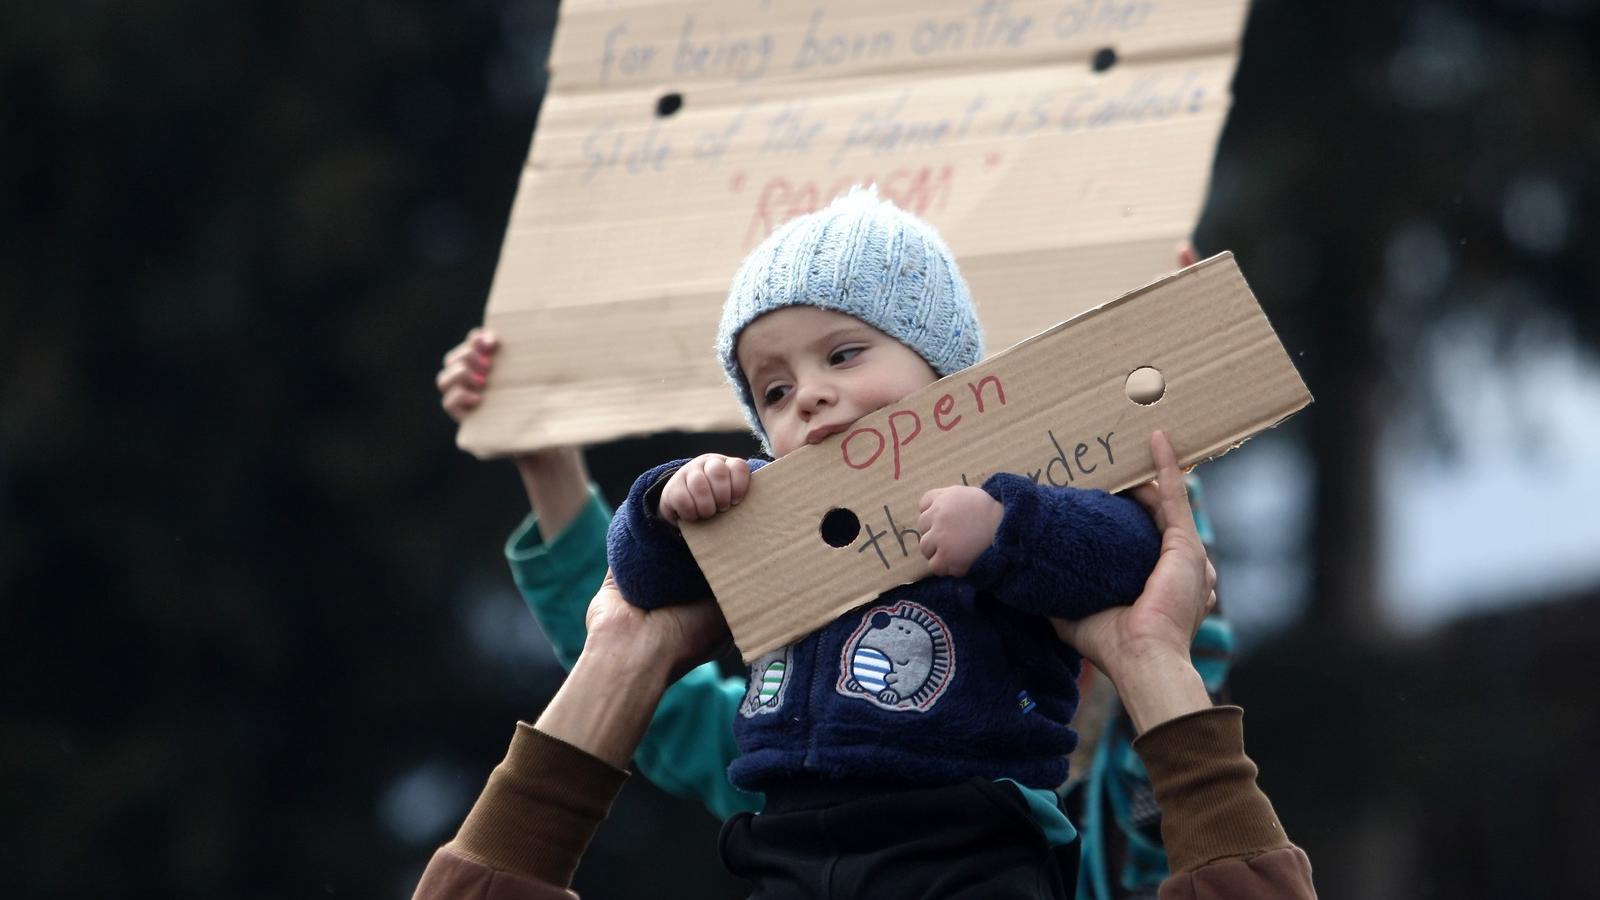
{"x":629,"y":659}
{"x":667,"y":641}
{"x":1144,"y":648}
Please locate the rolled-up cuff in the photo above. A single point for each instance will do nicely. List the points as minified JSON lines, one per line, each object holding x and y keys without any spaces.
{"x":1211,"y":807}
{"x":540,"y":808}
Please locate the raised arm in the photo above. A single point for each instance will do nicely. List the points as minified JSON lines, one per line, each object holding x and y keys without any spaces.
{"x":1222,"y":837}
{"x":555,"y":479}
{"x":524,"y":836}
{"x":557,"y":557}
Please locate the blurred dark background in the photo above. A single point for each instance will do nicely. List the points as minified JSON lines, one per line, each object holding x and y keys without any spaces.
{"x":258,"y":638}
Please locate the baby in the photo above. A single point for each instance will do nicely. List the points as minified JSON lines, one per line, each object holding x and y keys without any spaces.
{"x":915,"y":741}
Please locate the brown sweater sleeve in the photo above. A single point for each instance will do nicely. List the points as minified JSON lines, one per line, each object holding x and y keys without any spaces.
{"x":530,"y":826}
{"x":1221,"y":835}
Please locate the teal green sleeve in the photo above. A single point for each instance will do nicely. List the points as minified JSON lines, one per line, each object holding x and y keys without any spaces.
{"x":557,"y":580}
{"x":689,"y":744}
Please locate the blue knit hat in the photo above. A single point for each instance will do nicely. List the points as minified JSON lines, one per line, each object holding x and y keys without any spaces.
{"x":869,"y":259}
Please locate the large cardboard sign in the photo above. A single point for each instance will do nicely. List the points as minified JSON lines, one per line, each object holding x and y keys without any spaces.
{"x":1062,"y":147}
{"x":1191,"y":354}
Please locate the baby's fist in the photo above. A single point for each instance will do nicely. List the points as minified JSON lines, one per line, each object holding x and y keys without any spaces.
{"x":957,"y":524}
{"x":705,"y":486}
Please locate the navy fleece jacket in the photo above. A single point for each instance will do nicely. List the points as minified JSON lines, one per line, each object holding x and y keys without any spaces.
{"x":936,"y":681}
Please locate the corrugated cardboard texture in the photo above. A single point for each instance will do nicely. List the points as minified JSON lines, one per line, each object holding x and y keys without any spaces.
{"x":1055,"y":184}
{"x":1054,"y":407}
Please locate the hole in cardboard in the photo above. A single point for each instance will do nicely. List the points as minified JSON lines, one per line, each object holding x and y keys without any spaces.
{"x":840,"y":527}
{"x":1103,"y":59}
{"x":669,"y":104}
{"x":1145,"y":385}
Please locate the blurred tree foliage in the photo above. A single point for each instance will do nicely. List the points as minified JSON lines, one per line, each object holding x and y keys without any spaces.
{"x":244,"y":576}
{"x":1389,"y":167}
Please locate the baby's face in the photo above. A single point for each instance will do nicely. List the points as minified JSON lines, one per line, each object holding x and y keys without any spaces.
{"x":814,"y":371}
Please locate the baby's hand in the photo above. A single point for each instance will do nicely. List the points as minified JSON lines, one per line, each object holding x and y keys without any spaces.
{"x":465,"y":371}
{"x":957,"y":525}
{"x":705,"y":486}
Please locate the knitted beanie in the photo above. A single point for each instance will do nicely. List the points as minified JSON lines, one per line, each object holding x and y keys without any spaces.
{"x":865,"y":257}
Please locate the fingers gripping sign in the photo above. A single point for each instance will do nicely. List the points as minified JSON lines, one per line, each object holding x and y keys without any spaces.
{"x":465,"y":372}
{"x":957,"y":524}
{"x":1167,"y":500}
{"x":706,"y":485}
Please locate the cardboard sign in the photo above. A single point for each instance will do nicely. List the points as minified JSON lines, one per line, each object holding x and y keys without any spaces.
{"x":1062,"y":148}
{"x":1191,"y":354}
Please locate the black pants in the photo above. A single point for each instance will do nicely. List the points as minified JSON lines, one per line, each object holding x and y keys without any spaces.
{"x":974,"y":840}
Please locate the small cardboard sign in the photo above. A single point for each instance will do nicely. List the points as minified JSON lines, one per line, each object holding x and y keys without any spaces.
{"x":1061,"y":147}
{"x":1191,"y":354}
